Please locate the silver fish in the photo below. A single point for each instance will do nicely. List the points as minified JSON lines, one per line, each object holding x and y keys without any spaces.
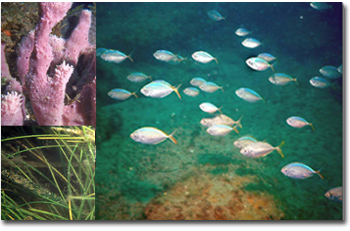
{"x":299,"y":122}
{"x":191,"y":91}
{"x":203,"y":57}
{"x":259,"y":64}
{"x":248,"y":95}
{"x":220,"y":130}
{"x":221,"y":119}
{"x":335,"y":194}
{"x":242,"y":32}
{"x":210,"y":87}
{"x":260,"y":149}
{"x":244,"y":141}
{"x":214,"y":15}
{"x":298,"y":170}
{"x":251,"y":43}
{"x":282,"y":79}
{"x":319,"y":82}
{"x":267,"y":57}
{"x":138,"y":77}
{"x":120,"y":94}
{"x":168,"y":57}
{"x":197,"y":81}
{"x":151,"y":135}
{"x":209,"y":107}
{"x":320,"y":5}
{"x":114,"y":56}
{"x":330,"y":72}
{"x":159,"y":89}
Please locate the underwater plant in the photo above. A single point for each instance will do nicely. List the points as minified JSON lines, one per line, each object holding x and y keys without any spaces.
{"x":48,"y":173}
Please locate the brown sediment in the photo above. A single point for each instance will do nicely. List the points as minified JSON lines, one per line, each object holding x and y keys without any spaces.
{"x":207,"y":197}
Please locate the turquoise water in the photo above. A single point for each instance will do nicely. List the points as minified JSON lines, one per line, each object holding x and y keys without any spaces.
{"x":206,"y":177}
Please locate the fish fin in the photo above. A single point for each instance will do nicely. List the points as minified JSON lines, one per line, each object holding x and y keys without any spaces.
{"x":150,"y":77}
{"x":176,"y":89}
{"x":238,"y":122}
{"x":219,"y":109}
{"x":134,"y":94}
{"x":312,"y":126}
{"x":235,"y":129}
{"x":295,"y":79}
{"x":129,"y":56}
{"x":222,"y":89}
{"x":263,"y":99}
{"x":171,"y":137}
{"x":318,"y":173}
{"x":279,"y":150}
{"x":216,"y":60}
{"x":273,"y":69}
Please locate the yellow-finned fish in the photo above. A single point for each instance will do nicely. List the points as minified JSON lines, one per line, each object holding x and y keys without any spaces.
{"x":260,"y":148}
{"x":244,"y":141}
{"x":298,"y":170}
{"x":121,"y":94}
{"x":214,"y":15}
{"x":330,"y":72}
{"x":114,"y":56}
{"x":319,"y":82}
{"x":191,"y":91}
{"x":220,"y":130}
{"x":197,"y":81}
{"x":248,"y":95}
{"x":203,"y":57}
{"x":259,"y":64}
{"x":282,"y":79}
{"x":267,"y":57}
{"x":210,"y":87}
{"x":151,"y":135}
{"x":159,"y":89}
{"x":242,"y":32}
{"x":221,"y":119}
{"x":209,"y":107}
{"x":138,"y":77}
{"x":299,"y":122}
{"x":251,"y":43}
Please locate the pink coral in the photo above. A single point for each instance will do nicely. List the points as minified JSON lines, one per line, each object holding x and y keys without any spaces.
{"x":11,"y":109}
{"x":46,"y":63}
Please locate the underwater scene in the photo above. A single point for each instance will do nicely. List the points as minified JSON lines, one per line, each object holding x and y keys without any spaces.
{"x":219,"y":111}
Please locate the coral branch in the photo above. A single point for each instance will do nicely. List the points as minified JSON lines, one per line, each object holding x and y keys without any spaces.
{"x":11,"y":109}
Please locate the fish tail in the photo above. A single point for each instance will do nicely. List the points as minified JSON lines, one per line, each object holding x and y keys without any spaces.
{"x":273,"y":69}
{"x":216,"y":60}
{"x":134,"y":94}
{"x":176,"y":89}
{"x":295,"y":79}
{"x":219,"y":109}
{"x":312,"y":126}
{"x":150,"y":77}
{"x":279,"y":150}
{"x":235,"y":129}
{"x":238,"y":122}
{"x":171,"y":137}
{"x":129,"y":57}
{"x":318,"y":173}
{"x":263,"y":99}
{"x":222,"y":89}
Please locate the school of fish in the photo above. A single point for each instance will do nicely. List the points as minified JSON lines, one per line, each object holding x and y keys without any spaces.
{"x":219,"y":124}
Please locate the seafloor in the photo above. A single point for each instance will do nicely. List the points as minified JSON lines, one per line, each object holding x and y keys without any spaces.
{"x":205,"y":177}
